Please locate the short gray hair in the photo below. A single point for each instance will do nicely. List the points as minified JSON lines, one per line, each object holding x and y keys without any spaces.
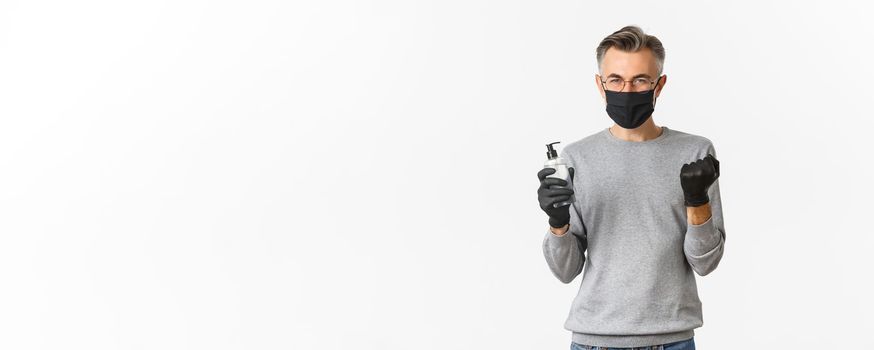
{"x":632,"y":39}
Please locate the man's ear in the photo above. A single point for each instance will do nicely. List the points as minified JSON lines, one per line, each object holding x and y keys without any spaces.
{"x":661,"y":85}
{"x":600,"y":88}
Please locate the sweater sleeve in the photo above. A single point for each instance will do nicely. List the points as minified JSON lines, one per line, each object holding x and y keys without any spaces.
{"x":565,"y":254}
{"x":705,"y":243}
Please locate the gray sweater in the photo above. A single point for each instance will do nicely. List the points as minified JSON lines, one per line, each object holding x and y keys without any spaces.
{"x":630,"y":238}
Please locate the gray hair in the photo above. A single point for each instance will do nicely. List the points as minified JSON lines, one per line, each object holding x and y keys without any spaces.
{"x":632,"y":39}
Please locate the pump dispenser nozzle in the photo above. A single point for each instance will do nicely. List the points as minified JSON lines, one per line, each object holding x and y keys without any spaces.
{"x":550,"y":152}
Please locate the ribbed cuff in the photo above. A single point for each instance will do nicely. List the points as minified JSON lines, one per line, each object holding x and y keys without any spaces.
{"x":558,"y":239}
{"x":702,"y":238}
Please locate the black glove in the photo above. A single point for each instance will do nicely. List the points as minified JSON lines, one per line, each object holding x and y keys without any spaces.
{"x":696,"y":178}
{"x":553,"y":190}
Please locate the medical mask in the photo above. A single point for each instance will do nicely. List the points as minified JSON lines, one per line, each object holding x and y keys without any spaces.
{"x":630,"y":109}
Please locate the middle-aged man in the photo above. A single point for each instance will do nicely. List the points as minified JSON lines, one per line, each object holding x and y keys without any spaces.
{"x":647,"y":212}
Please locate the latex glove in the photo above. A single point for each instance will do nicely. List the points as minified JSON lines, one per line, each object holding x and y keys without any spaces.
{"x":696,"y":178}
{"x":554,"y":190}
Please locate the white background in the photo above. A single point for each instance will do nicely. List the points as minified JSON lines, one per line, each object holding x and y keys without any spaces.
{"x":362,"y":174}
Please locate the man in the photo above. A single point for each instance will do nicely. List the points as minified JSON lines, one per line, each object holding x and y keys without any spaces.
{"x":647,"y":214}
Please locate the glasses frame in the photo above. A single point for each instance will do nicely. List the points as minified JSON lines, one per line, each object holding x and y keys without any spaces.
{"x":651,"y":85}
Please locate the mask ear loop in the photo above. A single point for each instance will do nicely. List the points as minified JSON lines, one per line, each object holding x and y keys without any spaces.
{"x":654,"y":95}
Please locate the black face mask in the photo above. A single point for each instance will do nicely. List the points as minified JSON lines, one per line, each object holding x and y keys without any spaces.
{"x":630,"y":109}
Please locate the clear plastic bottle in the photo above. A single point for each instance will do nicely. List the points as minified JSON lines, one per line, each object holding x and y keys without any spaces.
{"x":561,"y":171}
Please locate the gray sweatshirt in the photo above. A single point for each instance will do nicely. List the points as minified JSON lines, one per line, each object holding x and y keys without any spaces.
{"x":630,"y":238}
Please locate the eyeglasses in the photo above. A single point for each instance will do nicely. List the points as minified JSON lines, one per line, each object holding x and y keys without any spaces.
{"x":637,"y":85}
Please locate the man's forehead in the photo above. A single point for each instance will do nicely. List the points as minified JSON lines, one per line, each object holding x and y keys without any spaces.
{"x":629,"y":64}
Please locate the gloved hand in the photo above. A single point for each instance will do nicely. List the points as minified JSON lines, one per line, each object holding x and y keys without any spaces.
{"x":696,"y":178}
{"x":552,"y":190}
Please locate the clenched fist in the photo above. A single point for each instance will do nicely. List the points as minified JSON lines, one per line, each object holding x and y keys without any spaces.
{"x":696,"y":178}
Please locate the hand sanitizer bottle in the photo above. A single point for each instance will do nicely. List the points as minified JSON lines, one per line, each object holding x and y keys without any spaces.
{"x":561,"y":172}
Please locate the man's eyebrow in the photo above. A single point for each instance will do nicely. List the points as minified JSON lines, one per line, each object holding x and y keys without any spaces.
{"x":641,"y":75}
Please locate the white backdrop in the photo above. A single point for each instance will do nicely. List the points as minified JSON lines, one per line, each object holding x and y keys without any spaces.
{"x":362,"y":175}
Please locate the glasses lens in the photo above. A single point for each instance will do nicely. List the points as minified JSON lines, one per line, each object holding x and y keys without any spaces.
{"x":641,"y":85}
{"x":614,"y":84}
